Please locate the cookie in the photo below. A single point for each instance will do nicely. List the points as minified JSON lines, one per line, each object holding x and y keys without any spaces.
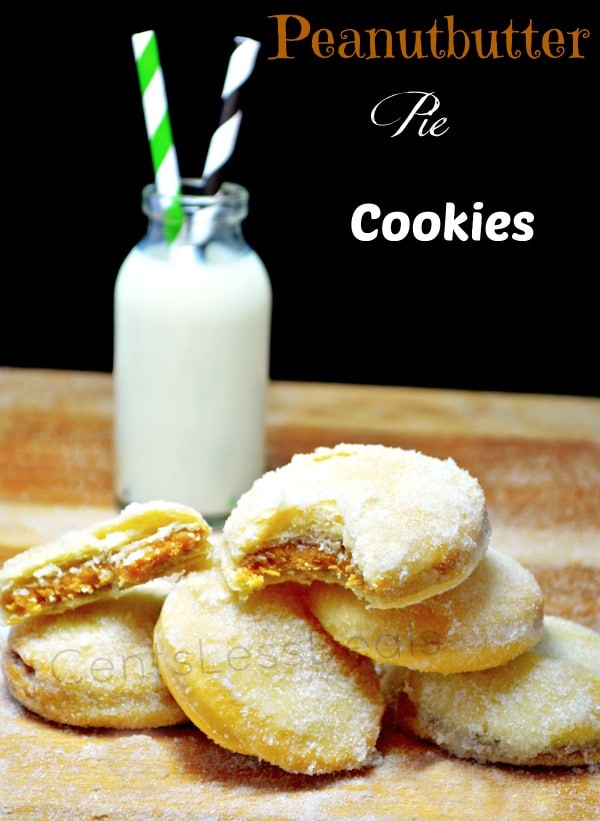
{"x":143,"y":542}
{"x":94,"y":666}
{"x":394,"y":526}
{"x":493,"y":616}
{"x":540,"y":709}
{"x":260,"y":677}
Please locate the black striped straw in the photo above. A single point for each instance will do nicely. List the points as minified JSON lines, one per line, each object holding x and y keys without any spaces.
{"x":223,"y":140}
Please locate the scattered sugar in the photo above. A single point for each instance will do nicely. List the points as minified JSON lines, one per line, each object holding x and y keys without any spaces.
{"x":177,"y":773}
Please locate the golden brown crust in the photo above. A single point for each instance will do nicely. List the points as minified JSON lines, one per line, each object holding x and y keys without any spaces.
{"x":491,"y":617}
{"x":160,"y":558}
{"x":141,"y":543}
{"x":94,"y":666}
{"x":540,"y":709}
{"x":395,"y":526}
{"x":260,"y":677}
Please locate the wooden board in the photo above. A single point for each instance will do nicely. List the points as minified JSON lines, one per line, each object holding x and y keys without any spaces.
{"x":538,"y":459}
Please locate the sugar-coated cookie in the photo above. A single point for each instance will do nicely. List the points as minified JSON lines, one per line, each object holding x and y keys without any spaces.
{"x":540,"y":709}
{"x":94,"y":666}
{"x":491,"y":617}
{"x":260,"y":677}
{"x":142,"y":542}
{"x":394,"y":526}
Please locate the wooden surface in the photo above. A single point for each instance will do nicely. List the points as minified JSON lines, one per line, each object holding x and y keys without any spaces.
{"x":538,"y":459}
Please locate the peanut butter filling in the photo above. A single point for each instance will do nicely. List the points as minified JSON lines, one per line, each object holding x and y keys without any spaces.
{"x":305,"y":561}
{"x":102,"y":573}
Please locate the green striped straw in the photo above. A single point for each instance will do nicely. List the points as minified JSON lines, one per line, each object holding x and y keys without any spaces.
{"x":158,"y":127}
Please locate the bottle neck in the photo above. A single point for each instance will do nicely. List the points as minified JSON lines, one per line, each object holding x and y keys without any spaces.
{"x":192,"y":218}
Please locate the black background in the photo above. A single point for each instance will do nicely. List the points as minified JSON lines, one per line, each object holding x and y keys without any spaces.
{"x":517,"y":316}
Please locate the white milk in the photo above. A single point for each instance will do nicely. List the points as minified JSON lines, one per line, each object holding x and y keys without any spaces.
{"x":191,"y":365}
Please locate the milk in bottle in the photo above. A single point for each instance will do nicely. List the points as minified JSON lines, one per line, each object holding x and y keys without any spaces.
{"x":192,"y":322}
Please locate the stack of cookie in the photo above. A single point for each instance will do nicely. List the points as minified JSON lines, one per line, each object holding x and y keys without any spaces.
{"x":82,"y":611}
{"x":353,"y":583}
{"x":394,"y":546}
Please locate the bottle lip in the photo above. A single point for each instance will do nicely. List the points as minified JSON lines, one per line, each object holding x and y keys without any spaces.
{"x":192,"y":196}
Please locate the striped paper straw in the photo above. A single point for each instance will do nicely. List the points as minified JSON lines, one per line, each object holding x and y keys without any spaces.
{"x":222,"y":143}
{"x":158,"y":127}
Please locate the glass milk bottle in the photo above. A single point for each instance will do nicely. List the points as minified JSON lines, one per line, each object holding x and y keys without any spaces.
{"x":192,"y":319}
